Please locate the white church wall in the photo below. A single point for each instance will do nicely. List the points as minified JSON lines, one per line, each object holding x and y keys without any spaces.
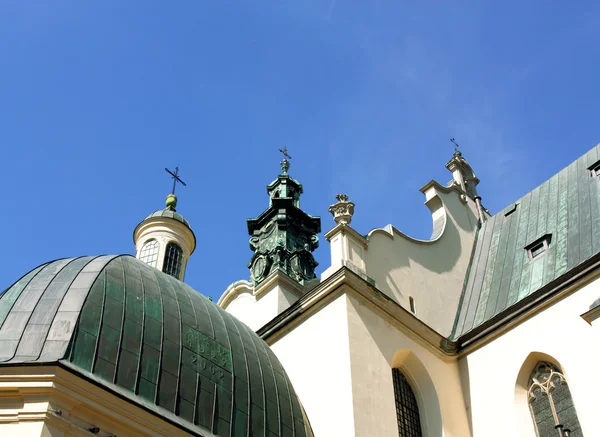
{"x":316,"y":356}
{"x":377,"y":346}
{"x":431,"y":272}
{"x":256,"y":306}
{"x":498,"y":402}
{"x":242,"y":307}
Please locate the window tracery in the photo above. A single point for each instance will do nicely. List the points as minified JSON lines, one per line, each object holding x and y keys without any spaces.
{"x":550,"y":402}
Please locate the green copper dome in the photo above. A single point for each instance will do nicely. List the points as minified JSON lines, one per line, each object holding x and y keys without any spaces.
{"x":169,"y":213}
{"x":152,"y":339}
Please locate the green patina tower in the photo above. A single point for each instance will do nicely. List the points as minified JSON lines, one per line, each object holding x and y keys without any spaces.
{"x":284,"y":237}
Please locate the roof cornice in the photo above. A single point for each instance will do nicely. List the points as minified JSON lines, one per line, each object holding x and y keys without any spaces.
{"x":346,"y":281}
{"x":443,"y":347}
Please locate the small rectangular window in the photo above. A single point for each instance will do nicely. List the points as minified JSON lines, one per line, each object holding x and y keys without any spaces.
{"x":511,"y":210}
{"x":412,"y":304}
{"x":595,"y":170}
{"x":537,"y":250}
{"x":538,"y":247}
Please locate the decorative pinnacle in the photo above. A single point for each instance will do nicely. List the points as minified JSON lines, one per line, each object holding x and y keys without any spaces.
{"x":343,"y":210}
{"x":171,"y":202}
{"x":285,"y":163}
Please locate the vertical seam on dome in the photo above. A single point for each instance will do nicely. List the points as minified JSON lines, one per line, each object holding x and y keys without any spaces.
{"x":95,"y":355}
{"x":195,"y":415}
{"x":162,"y":340}
{"x":212,"y":326}
{"x":276,"y":391}
{"x":39,"y":269}
{"x":91,"y":258}
{"x":118,"y":360}
{"x":219,"y":314}
{"x":287,"y":385}
{"x":233,"y":404}
{"x":179,"y":364}
{"x":278,"y":402}
{"x":138,"y":373}
{"x":262,"y":380}
{"x":36,"y":304}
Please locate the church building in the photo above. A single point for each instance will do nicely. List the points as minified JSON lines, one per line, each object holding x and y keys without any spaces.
{"x":487,"y":329}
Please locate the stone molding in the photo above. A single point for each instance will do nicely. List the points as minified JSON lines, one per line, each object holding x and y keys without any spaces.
{"x":73,"y":405}
{"x":345,"y":281}
{"x":233,"y":291}
{"x":278,"y":278}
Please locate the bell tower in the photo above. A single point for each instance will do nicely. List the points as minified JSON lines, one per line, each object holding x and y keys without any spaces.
{"x":283,"y":237}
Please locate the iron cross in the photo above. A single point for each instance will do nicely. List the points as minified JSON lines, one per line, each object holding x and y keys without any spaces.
{"x":175,"y":178}
{"x":285,"y":153}
{"x":455,"y":144}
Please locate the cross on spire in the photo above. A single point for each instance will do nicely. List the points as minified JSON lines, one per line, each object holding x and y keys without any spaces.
{"x":176,"y":178}
{"x":456,"y":151}
{"x":285,"y":153}
{"x":285,"y":164}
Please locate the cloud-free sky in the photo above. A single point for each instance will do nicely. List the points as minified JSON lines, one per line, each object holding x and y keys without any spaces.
{"x":98,"y":97}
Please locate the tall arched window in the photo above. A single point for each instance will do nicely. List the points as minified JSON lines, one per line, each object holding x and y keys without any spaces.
{"x":149,"y":253}
{"x":173,"y":260}
{"x":550,"y":401}
{"x":407,"y":411}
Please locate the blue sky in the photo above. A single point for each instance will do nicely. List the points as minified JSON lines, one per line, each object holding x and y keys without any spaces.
{"x":97,"y":98}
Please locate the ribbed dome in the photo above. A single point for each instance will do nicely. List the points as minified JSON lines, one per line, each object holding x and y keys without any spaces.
{"x":152,"y":339}
{"x":169,"y":213}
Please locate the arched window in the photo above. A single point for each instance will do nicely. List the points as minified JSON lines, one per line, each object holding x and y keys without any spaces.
{"x":149,"y":253}
{"x":550,"y":402}
{"x":407,"y":411}
{"x":173,"y":260}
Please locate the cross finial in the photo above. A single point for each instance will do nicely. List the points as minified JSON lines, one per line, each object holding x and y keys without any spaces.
{"x":456,"y":151}
{"x":176,"y":178}
{"x":285,"y":164}
{"x":285,"y":153}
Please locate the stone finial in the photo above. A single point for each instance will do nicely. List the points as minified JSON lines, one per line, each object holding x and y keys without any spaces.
{"x":285,"y":163}
{"x":285,"y":166}
{"x":343,"y":210}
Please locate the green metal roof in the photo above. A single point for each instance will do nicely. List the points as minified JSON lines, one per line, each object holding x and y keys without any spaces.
{"x":153,"y":340}
{"x":169,"y":213}
{"x":565,"y":210}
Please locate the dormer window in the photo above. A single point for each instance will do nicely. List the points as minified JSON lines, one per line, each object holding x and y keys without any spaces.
{"x":595,"y":170}
{"x":538,"y":247}
{"x":510,"y":210}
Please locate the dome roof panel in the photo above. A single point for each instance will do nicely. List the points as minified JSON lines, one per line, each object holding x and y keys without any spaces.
{"x":152,"y":339}
{"x":168,"y":213}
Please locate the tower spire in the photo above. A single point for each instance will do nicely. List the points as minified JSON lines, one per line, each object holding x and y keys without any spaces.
{"x":283,"y":237}
{"x":285,"y":162}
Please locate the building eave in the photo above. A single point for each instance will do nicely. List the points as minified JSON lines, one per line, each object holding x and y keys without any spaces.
{"x":526,"y":308}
